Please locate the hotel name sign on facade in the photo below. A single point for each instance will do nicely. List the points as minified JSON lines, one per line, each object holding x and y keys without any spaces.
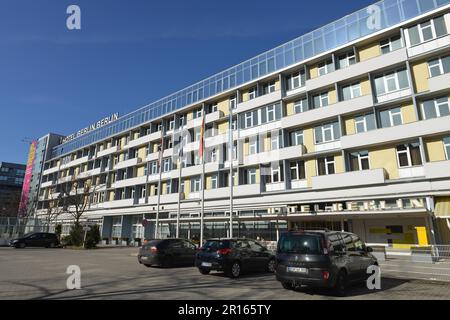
{"x":101,"y":123}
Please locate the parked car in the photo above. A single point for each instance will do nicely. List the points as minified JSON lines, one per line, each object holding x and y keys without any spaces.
{"x":234,"y":256}
{"x":322,"y":258}
{"x":37,"y":239}
{"x":167,"y":253}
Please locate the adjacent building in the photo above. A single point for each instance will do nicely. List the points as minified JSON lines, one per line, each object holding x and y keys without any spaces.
{"x":346,"y":127}
{"x":11,"y":180}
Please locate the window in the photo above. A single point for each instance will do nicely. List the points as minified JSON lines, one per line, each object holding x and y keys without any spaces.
{"x":435,"y":108}
{"x":295,"y":80}
{"x":346,"y":60}
{"x":298,"y":171}
{"x":390,"y":118}
{"x":249,"y":119}
{"x":301,"y":105}
{"x":233,"y":104}
{"x":325,"y":166}
{"x":390,"y":44}
{"x":327,"y":133}
{"x":269,"y":87}
{"x":320,"y":100}
{"x":439,"y":66}
{"x":252,"y":93}
{"x":195,"y":184}
{"x":167,"y":165}
{"x":154,"y":167}
{"x":351,"y":91}
{"x":214,"y":180}
{"x":253,"y":145}
{"x":213,"y":155}
{"x":408,"y":155}
{"x":447,"y":147}
{"x":251,"y":176}
{"x":296,"y":137}
{"x":365,"y":123}
{"x":427,"y":30}
{"x":359,"y":161}
{"x":270,"y":113}
{"x":275,"y":174}
{"x":326,"y":67}
{"x":143,"y":192}
{"x":391,"y":82}
{"x":214,"y":108}
{"x":171,"y":125}
{"x":275,"y":140}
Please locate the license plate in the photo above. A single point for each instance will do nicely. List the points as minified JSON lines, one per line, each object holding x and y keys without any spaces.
{"x":297,"y":270}
{"x":206,"y":264}
{"x":144,"y":258}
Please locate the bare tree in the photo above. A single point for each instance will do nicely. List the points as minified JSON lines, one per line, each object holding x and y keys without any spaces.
{"x":54,"y":209}
{"x":76,"y":197}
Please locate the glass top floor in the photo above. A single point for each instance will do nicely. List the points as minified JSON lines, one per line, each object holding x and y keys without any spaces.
{"x":374,"y":18}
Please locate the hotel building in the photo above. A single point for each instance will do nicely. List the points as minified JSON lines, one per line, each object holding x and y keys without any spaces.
{"x":346,"y":127}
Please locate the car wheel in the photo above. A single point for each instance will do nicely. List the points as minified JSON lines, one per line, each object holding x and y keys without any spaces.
{"x":287,"y":285}
{"x":20,"y":245}
{"x":204,"y":271}
{"x":271,"y":266}
{"x":148,"y":265}
{"x":235,"y":270}
{"x":340,"y":287}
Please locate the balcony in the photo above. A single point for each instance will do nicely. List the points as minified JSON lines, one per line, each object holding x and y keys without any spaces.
{"x":192,"y":146}
{"x":296,"y":91}
{"x":243,"y":133}
{"x":436,"y":170}
{"x":50,"y":171}
{"x":47,"y":184}
{"x":65,"y":179}
{"x":144,"y":140}
{"x":75,"y":162}
{"x":197,"y":169}
{"x":238,"y":191}
{"x":429,"y":46}
{"x":439,"y":83}
{"x":127,"y":163}
{"x":358,"y":69}
{"x":258,"y":102}
{"x":328,"y":146}
{"x":129,"y":182}
{"x":118,"y":203}
{"x":275,"y":155}
{"x":172,"y":174}
{"x":397,"y":133}
{"x":219,"y":139}
{"x":90,"y":173}
{"x":299,"y":184}
{"x":330,"y":111}
{"x":279,"y":186}
{"x":411,"y":172}
{"x":394,"y":95}
{"x":155,"y":155}
{"x":349,"y":179}
{"x":164,"y":199}
{"x":107,"y":152}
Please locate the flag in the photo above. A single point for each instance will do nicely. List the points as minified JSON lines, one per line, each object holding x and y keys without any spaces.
{"x":201,"y":150}
{"x":161,"y":150}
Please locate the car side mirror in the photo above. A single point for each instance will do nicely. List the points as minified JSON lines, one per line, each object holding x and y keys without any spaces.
{"x":369,"y":249}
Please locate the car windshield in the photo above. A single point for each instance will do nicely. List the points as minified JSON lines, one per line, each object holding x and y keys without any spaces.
{"x":29,"y":234}
{"x":300,"y":243}
{"x":213,"y":245}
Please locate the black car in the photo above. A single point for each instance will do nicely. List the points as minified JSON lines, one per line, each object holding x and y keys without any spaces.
{"x":322,"y":258}
{"x":234,"y":256}
{"x":167,"y":253}
{"x":38,"y":239}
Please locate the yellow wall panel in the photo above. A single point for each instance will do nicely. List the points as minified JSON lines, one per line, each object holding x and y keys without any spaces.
{"x":277,"y":85}
{"x":370,"y":51}
{"x":435,"y":149}
{"x":365,"y":87}
{"x":141,"y":153}
{"x":223,"y":127}
{"x":408,"y":113}
{"x":384,"y":158}
{"x":308,"y":140}
{"x":350,"y":126}
{"x":290,"y":109}
{"x":310,"y":168}
{"x":339,"y":164}
{"x":313,"y":72}
{"x":224,"y":106}
{"x":332,"y":96}
{"x":420,"y":75}
{"x":140,"y":171}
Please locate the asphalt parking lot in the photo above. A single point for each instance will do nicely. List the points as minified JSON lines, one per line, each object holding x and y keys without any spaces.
{"x":34,"y":273}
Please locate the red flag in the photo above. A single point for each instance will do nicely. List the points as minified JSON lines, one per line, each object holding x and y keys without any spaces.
{"x":202,"y":139}
{"x":161,"y":150}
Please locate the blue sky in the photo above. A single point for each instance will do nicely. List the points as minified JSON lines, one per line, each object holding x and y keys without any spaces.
{"x":127,"y":54}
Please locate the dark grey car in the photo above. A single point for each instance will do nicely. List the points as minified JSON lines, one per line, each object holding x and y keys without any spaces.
{"x":322,"y":259}
{"x":36,"y":239}
{"x":167,"y":253}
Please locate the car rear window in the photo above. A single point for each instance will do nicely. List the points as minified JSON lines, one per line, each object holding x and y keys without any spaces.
{"x":300,"y":244}
{"x":213,"y":245}
{"x":153,"y":243}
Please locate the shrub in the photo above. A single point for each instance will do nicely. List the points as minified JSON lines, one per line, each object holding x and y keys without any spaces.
{"x":76,"y":235}
{"x":92,"y":237}
{"x":58,"y":231}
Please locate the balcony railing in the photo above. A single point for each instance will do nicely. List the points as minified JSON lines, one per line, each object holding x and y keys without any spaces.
{"x":349,"y":179}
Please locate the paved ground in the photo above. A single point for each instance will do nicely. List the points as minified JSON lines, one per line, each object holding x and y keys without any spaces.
{"x":116,"y":274}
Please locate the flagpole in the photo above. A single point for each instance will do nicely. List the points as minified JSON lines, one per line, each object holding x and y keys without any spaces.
{"x":180,"y":164}
{"x":161,"y":148}
{"x":231,"y":143}
{"x":202,"y":156}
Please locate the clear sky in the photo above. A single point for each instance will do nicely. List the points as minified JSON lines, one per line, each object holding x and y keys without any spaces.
{"x":127,"y":54}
